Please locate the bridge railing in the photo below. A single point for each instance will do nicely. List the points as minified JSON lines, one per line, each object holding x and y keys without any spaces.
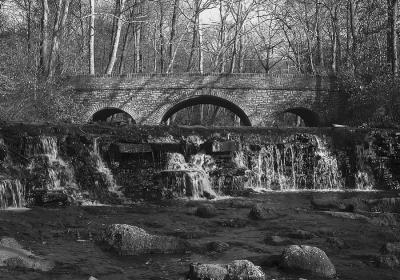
{"x":193,"y":74}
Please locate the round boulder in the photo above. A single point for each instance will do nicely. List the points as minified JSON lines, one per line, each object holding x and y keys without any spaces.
{"x":257,"y":212}
{"x":308,"y":259}
{"x":129,"y":240}
{"x":236,"y":270}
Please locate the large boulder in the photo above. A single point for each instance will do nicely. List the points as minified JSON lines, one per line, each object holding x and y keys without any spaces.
{"x":259,"y":212}
{"x":308,"y":259}
{"x":206,"y":211}
{"x":13,"y":255}
{"x":236,"y":270}
{"x":128,"y":240}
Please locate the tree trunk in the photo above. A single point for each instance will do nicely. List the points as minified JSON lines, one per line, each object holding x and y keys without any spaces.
{"x":44,"y":48}
{"x":113,"y":56}
{"x":29,"y":25}
{"x":200,"y":50}
{"x":61,"y":17}
{"x":91,"y":39}
{"x":172,"y":34}
{"x":194,"y":36}
{"x":124,"y":49}
{"x":392,"y":39}
{"x":353,"y":36}
{"x":319,"y":59}
{"x":161,"y":34}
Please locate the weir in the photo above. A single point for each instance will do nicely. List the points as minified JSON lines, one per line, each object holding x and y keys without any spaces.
{"x":75,"y":164}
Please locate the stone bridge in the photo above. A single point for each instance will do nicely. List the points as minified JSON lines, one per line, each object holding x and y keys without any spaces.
{"x":258,"y":99}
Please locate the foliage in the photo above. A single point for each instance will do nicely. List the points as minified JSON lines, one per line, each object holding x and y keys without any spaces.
{"x":373,"y":101}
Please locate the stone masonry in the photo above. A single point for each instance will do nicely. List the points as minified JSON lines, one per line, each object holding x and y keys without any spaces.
{"x":257,"y":99}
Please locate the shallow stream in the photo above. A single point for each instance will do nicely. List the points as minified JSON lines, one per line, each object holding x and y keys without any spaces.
{"x":67,"y":236}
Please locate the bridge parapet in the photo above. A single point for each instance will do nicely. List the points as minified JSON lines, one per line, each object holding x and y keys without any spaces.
{"x":297,"y":82}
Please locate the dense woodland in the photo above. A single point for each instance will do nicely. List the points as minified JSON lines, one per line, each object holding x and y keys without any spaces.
{"x":43,"y":41}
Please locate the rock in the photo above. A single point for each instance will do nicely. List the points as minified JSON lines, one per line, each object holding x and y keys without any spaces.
{"x":387,"y":205}
{"x":308,"y":259}
{"x":206,"y":211}
{"x":326,"y":232}
{"x":50,"y":198}
{"x":129,"y":240}
{"x":345,"y":215}
{"x":218,"y":246}
{"x":328,"y":204}
{"x":207,"y":271}
{"x":384,"y":219}
{"x":336,"y":243}
{"x":92,"y":278}
{"x":10,"y":243}
{"x":236,"y":270}
{"x":277,"y":240}
{"x":388,"y":261}
{"x":209,"y":195}
{"x":391,"y":249}
{"x":259,"y":212}
{"x":301,"y":234}
{"x":233,"y":223}
{"x":13,"y":255}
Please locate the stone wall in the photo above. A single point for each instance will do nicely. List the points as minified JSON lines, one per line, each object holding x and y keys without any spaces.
{"x":260,"y":98}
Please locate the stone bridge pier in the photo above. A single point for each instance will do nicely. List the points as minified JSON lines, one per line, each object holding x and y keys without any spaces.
{"x":257,"y":99}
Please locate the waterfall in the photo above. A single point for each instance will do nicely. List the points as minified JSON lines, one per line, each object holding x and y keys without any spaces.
{"x":294,"y":165}
{"x":103,"y":169}
{"x":11,"y":194}
{"x":364,"y":180}
{"x":56,"y":174}
{"x":326,"y":172}
{"x":42,"y":145}
{"x":190,"y":179}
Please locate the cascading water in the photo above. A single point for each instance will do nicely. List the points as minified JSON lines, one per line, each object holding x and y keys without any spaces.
{"x":190,"y":179}
{"x":294,"y":166}
{"x":12,"y":194}
{"x":363,"y":179}
{"x":326,"y":172}
{"x":103,"y":169}
{"x":59,"y":175}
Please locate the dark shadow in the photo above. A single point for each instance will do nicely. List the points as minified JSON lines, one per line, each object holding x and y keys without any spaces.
{"x":301,"y":117}
{"x":112,"y":115}
{"x":212,"y":100}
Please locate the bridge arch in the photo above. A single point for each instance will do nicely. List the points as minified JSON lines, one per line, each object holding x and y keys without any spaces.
{"x":104,"y":113}
{"x":208,"y":99}
{"x":309,"y":117}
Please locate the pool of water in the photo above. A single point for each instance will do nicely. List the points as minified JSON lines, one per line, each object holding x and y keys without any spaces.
{"x":67,"y":236}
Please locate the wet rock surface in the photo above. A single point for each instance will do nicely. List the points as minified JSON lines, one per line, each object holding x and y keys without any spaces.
{"x":130,"y":240}
{"x":12,"y":255}
{"x":236,"y":270}
{"x":308,"y":259}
